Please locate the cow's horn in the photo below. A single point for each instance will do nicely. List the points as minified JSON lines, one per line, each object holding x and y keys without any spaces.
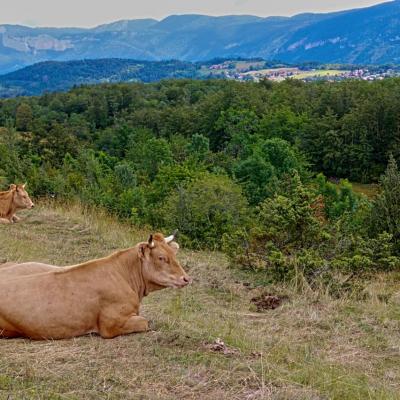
{"x":151,"y":242}
{"x":171,"y":238}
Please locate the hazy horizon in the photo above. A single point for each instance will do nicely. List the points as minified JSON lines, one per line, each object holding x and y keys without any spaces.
{"x":56,"y":13}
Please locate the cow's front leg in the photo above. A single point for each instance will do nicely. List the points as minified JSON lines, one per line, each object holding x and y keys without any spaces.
{"x":133,"y":324}
{"x":15,"y":218}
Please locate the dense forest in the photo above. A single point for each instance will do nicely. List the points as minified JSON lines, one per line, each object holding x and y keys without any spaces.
{"x":54,"y":76}
{"x":259,"y":170}
{"x":57,"y":76}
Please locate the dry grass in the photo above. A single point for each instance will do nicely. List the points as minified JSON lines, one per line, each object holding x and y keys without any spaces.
{"x":370,"y":190}
{"x":312,"y":347}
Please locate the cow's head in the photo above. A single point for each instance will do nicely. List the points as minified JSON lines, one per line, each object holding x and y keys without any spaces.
{"x":21,"y":198}
{"x":160,"y":266}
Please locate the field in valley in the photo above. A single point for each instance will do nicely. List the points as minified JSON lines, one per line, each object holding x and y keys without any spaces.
{"x":207,"y":341}
{"x":320,"y":73}
{"x":283,"y":73}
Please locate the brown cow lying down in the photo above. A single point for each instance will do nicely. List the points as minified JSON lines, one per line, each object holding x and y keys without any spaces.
{"x":16,"y":198}
{"x":100,"y":296}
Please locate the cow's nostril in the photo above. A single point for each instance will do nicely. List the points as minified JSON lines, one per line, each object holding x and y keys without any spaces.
{"x":186,"y":279}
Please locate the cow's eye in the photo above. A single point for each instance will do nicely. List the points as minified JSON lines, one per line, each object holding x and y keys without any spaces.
{"x":161,"y":258}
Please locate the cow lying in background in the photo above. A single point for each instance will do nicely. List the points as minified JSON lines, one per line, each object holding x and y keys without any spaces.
{"x":16,"y":198}
{"x":101,"y":296}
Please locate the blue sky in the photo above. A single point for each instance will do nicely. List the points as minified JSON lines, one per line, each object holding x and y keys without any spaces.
{"x":94,"y":12}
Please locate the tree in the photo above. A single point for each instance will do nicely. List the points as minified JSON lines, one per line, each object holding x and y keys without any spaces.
{"x":199,"y":147}
{"x":23,"y":117}
{"x":11,"y":163}
{"x":97,"y":113}
{"x":260,"y":172}
{"x":257,"y":178}
{"x":283,"y":123}
{"x":386,"y":207}
{"x":233,"y":123}
{"x":148,"y":153}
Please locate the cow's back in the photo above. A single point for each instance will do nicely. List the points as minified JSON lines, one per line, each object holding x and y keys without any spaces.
{"x":10,"y":270}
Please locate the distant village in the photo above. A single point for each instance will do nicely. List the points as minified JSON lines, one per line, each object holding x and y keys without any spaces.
{"x":245,"y":71}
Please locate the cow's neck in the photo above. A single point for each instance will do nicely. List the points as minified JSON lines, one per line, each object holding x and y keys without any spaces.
{"x":7,"y":208}
{"x":132,"y":268}
{"x":128,"y":265}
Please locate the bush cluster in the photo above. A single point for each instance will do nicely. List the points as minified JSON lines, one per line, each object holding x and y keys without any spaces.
{"x":320,"y":231}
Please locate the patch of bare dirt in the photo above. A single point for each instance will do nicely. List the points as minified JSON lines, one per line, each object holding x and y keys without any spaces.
{"x":268,"y":301}
{"x":218,"y":346}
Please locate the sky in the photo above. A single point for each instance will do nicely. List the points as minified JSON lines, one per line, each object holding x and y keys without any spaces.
{"x":89,"y":13}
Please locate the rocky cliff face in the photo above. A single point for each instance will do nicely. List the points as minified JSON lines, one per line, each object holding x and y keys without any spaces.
{"x":34,"y":44}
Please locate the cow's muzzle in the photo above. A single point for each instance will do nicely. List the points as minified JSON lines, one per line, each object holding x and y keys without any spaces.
{"x":184,"y":281}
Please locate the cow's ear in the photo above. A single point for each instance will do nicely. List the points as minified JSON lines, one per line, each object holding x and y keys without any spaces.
{"x":174,"y":246}
{"x":13,"y":187}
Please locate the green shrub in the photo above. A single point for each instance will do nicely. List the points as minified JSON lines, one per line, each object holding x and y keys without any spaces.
{"x":385,"y":215}
{"x":289,"y":237}
{"x":205,"y":210}
{"x":338,"y":198}
{"x":285,"y":223}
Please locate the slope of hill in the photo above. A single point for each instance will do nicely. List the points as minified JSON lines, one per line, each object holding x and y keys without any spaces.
{"x":367,"y":35}
{"x":312,"y":347}
{"x":58,"y":76}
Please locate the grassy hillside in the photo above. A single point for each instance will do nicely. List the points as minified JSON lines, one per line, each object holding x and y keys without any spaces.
{"x":311,"y":347}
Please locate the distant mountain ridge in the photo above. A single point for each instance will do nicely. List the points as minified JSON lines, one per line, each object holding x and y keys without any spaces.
{"x":367,"y":35}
